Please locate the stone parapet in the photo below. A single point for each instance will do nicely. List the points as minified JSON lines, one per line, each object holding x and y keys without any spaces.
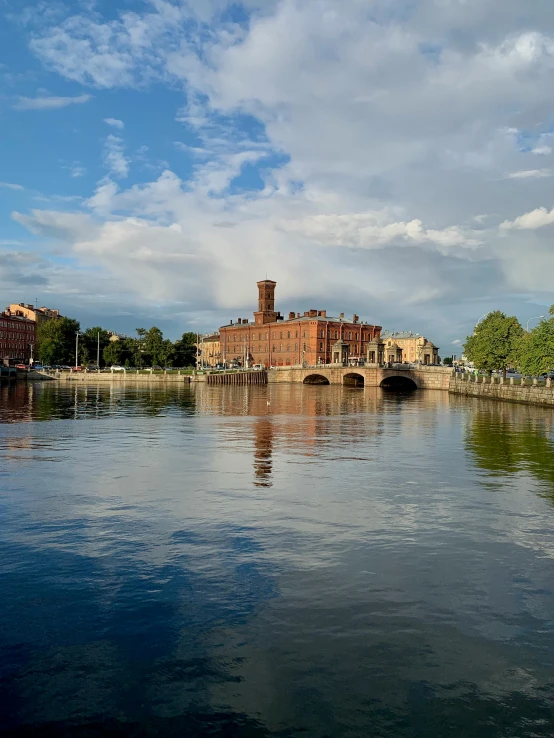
{"x":531,"y":394}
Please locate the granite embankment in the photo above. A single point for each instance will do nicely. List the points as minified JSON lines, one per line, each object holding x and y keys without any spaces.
{"x":530,"y":392}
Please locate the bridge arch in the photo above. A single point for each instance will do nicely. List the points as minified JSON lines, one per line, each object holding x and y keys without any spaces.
{"x":315,"y":379}
{"x":398,"y":383}
{"x":353,"y":379}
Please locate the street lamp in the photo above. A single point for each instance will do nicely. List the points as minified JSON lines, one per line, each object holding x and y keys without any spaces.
{"x":537,"y":317}
{"x":76,"y":349}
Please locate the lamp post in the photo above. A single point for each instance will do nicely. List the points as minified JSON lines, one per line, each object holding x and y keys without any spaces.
{"x":537,"y":317}
{"x":98,"y":353}
{"x":76,"y":349}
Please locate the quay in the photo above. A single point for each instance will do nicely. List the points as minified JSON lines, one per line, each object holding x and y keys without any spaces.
{"x":8,"y":373}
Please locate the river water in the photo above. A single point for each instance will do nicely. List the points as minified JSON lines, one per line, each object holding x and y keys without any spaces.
{"x":274,"y":561}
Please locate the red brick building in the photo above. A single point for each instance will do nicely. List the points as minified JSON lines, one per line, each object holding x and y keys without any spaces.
{"x":311,"y":338}
{"x":18,"y":336}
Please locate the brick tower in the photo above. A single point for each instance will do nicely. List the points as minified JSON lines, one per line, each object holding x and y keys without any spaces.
{"x":266,"y":302}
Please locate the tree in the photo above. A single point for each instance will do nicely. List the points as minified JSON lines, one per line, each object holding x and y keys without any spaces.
{"x":447,"y":361}
{"x":536,"y":349}
{"x":113,"y":353}
{"x":56,"y":341}
{"x":185,"y":350}
{"x":89,"y":339}
{"x":495,"y":342}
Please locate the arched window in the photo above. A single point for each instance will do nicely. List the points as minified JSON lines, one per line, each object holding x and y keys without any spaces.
{"x":288,"y":334}
{"x":280,"y":347}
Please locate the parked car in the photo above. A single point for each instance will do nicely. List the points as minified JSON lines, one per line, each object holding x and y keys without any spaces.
{"x":117,"y":368}
{"x":76,"y":368}
{"x":92,"y":368}
{"x":22,"y":367}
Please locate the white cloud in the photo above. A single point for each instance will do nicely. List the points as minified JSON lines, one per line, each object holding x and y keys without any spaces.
{"x":530,"y":174}
{"x":457,"y":342}
{"x":49,"y":102}
{"x":537,"y":218}
{"x":115,"y":123}
{"x":76,"y":170}
{"x":114,"y":158}
{"x":542,"y":150}
{"x":11,"y":186}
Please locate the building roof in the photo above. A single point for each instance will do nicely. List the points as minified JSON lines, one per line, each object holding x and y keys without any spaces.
{"x":400,"y":334}
{"x":305,"y":318}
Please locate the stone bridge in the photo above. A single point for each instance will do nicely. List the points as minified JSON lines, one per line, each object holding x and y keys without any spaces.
{"x":371,"y":375}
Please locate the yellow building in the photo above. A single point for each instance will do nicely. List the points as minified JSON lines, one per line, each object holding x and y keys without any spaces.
{"x":39,"y":315}
{"x":209,"y":350}
{"x":411,"y":346}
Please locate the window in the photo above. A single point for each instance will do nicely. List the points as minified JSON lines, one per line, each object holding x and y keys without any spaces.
{"x":288,"y":347}
{"x":274,"y":348}
{"x":296,"y":347}
{"x":288,"y":334}
{"x":321,"y":334}
{"x":304,"y":335}
{"x":321,"y":346}
{"x":349,"y":335}
{"x":296,"y":334}
{"x":336,"y":334}
{"x":281,"y":334}
{"x":281,"y":347}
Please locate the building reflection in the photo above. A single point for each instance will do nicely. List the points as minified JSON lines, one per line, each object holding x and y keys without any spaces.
{"x":263,"y":449}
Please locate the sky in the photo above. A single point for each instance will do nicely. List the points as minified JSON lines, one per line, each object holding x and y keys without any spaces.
{"x":389,"y":158}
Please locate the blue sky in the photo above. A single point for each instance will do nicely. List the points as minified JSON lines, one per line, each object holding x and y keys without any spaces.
{"x":392,"y":159}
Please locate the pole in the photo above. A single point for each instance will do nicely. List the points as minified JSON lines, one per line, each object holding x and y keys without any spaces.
{"x":536,"y":317}
{"x":98,"y":352}
{"x":76,"y":349}
{"x":197,"y":348}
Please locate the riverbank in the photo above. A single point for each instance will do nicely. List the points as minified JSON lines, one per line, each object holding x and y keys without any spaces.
{"x":509,"y":390}
{"x":117,"y":378}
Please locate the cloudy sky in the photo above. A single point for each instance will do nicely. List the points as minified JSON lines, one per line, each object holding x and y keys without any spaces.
{"x":392,"y":158}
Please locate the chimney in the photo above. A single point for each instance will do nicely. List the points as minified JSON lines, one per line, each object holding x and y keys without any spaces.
{"x":313,"y":313}
{"x":297,"y":315}
{"x":355,"y":318}
{"x":239,"y":321}
{"x":231,"y":322}
{"x":244,"y":321}
{"x":323,"y":313}
{"x":341,"y":316}
{"x":306,"y":313}
{"x":291,"y":316}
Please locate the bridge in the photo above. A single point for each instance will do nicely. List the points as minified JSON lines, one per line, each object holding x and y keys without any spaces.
{"x":398,"y":376}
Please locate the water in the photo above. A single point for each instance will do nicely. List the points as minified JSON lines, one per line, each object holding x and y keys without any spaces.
{"x":340,"y":562}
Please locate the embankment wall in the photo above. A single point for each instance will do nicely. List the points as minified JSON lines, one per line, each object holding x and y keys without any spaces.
{"x":530,"y":394}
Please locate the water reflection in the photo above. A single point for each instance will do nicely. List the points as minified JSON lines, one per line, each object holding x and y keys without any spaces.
{"x":274,"y":561}
{"x":507,"y":440}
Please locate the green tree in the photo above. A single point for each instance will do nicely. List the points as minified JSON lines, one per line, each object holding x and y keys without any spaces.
{"x":185,"y":350}
{"x":113,"y":353}
{"x":536,"y":349}
{"x":447,"y":361}
{"x":89,"y":339}
{"x":56,"y":341}
{"x":494,"y":344}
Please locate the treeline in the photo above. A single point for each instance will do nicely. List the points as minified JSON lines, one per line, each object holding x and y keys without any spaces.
{"x":499,"y":343}
{"x":56,"y":344}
